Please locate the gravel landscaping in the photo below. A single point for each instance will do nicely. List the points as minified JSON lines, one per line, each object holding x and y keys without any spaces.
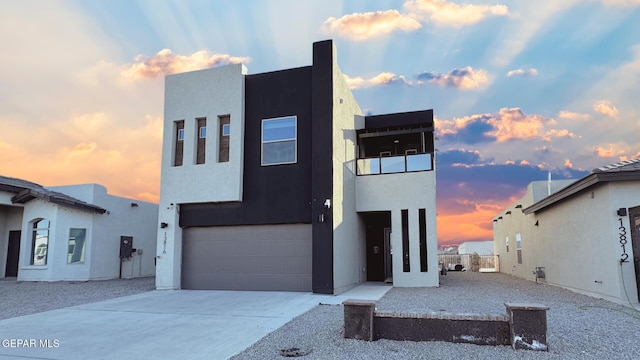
{"x":579,"y":326}
{"x":29,"y":297}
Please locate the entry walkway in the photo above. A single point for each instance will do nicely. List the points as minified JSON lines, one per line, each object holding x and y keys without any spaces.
{"x":187,"y":324}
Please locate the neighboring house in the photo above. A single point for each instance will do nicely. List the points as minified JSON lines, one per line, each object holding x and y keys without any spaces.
{"x":276,"y":181}
{"x":585,"y":234}
{"x":478,"y":247}
{"x":72,"y":232}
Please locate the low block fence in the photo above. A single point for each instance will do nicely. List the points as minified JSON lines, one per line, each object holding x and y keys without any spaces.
{"x":523,"y":327}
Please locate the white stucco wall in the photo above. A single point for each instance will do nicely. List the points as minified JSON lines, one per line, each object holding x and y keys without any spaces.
{"x":123,"y":219}
{"x":205,"y":93}
{"x":169,"y":249}
{"x":395,"y":192}
{"x":38,"y":209}
{"x":102,"y":243}
{"x":349,"y":246}
{"x":10,"y":220}
{"x":576,"y":240}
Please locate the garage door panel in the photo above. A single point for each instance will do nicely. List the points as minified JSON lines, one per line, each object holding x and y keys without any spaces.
{"x":250,"y":265}
{"x":260,"y":282}
{"x":273,"y":257}
{"x":243,"y":247}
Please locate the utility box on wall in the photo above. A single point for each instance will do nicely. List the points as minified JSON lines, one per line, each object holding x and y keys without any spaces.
{"x":126,"y":247}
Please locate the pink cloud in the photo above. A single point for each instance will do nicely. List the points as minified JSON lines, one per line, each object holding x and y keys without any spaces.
{"x":166,"y":62}
{"x":522,"y":72}
{"x":609,"y":151}
{"x":513,"y":124}
{"x":507,"y":124}
{"x":565,"y":114}
{"x":568,"y":163}
{"x":466,"y":78}
{"x":446,"y":13}
{"x":362,"y":26}
{"x":384,"y":78}
{"x":82,"y":148}
{"x":606,"y":107}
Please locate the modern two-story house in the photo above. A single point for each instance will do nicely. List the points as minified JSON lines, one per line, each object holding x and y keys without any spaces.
{"x":277,"y":181}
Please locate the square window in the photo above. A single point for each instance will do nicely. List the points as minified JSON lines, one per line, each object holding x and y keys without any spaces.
{"x":279,"y":141}
{"x":226,"y":129}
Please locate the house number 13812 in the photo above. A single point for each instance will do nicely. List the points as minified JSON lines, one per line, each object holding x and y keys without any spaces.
{"x":623,"y":242}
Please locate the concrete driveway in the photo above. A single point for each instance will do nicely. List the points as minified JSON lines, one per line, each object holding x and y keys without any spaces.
{"x":162,"y":324}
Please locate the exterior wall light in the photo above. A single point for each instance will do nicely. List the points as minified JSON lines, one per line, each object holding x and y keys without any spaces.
{"x":163,"y":225}
{"x":327,"y":203}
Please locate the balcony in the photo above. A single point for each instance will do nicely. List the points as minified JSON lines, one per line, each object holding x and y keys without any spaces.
{"x":395,"y":164}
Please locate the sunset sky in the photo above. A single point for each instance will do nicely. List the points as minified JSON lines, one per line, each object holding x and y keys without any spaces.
{"x":518,"y":88}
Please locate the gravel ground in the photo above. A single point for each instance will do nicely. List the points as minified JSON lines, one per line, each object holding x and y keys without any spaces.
{"x":29,"y":297}
{"x":579,"y":326}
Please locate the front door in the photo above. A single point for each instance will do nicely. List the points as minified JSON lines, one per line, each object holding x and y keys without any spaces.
{"x":13,"y":254}
{"x":634,"y":218}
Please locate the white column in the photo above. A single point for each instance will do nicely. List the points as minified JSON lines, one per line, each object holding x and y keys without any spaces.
{"x":169,"y":249}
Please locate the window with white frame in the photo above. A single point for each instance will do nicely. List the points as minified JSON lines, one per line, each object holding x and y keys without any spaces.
{"x":39,"y":242}
{"x":506,"y":242}
{"x":279,"y":141}
{"x":75,"y":250}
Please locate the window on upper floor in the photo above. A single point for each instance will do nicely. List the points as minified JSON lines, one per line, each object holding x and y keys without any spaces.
{"x":202,"y":140}
{"x":39,"y":242}
{"x":178,"y":143}
{"x":279,"y":141}
{"x":224,"y":130}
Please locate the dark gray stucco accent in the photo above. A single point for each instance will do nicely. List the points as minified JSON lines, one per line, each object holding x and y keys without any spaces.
{"x":322,"y":170}
{"x":278,"y":194}
{"x":422,"y":118}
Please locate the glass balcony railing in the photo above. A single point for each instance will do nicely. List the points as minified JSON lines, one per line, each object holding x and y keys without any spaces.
{"x":395,"y":164}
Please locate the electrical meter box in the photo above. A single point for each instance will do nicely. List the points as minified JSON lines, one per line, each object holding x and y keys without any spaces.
{"x":126,"y":246}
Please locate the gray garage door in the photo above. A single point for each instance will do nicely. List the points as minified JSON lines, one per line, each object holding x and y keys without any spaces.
{"x":259,"y":257}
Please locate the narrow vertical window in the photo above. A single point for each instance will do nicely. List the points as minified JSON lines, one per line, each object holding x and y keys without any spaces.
{"x":179,"y":143}
{"x":506,"y":242}
{"x":202,"y":140}
{"x":224,"y":132}
{"x":405,"y":241}
{"x":40,"y":242}
{"x":519,"y":247}
{"x":422,"y":222}
{"x":75,"y":250}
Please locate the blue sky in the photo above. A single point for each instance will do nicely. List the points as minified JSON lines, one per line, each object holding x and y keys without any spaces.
{"x":518,"y":88}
